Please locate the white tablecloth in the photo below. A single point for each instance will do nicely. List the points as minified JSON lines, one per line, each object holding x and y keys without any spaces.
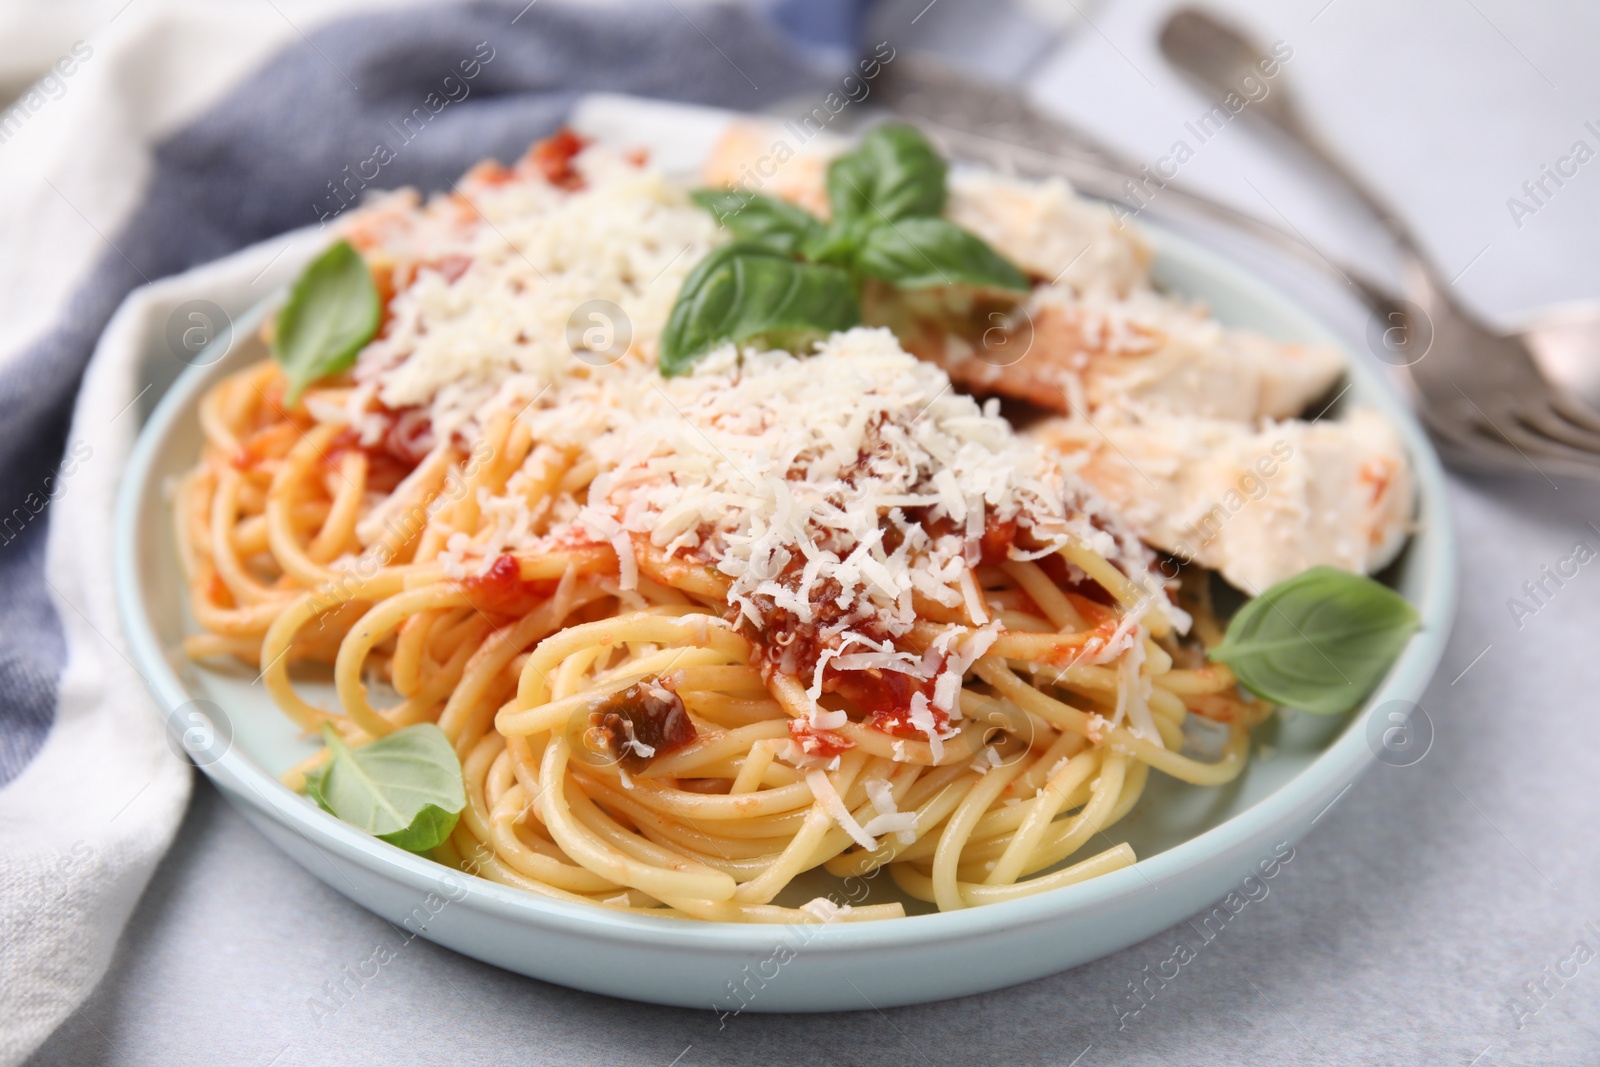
{"x":1440,"y":913}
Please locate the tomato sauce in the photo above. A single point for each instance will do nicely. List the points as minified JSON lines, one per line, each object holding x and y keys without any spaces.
{"x":395,"y":455}
{"x":553,"y":157}
{"x":882,"y":698}
{"x":814,"y":742}
{"x":501,"y":589}
{"x":885,"y":698}
{"x":995,"y":545}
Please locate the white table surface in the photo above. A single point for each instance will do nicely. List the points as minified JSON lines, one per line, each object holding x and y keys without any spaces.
{"x":1424,"y":907}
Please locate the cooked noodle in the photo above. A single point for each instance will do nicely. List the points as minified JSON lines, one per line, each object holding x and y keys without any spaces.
{"x":718,"y":828}
{"x":644,"y":726}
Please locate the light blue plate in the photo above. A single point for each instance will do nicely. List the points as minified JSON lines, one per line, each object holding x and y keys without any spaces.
{"x":1195,"y":844}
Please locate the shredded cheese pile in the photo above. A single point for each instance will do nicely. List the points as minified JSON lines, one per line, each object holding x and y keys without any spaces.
{"x":507,"y":264}
{"x":831,"y":489}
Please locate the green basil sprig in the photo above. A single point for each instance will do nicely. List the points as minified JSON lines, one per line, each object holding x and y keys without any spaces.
{"x":921,"y":253}
{"x":762,"y":220}
{"x":1319,"y":642}
{"x":894,"y":174}
{"x":789,"y":278}
{"x":333,"y":311}
{"x":404,"y":788}
{"x":745,"y":290}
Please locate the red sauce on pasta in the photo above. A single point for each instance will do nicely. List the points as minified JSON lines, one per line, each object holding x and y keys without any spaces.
{"x":553,"y":156}
{"x":410,"y":434}
{"x":394,"y":455}
{"x":882,"y":697}
{"x":814,"y":742}
{"x":501,"y":589}
{"x":885,"y":697}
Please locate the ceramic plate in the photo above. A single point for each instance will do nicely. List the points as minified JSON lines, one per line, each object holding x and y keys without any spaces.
{"x":1194,"y":844}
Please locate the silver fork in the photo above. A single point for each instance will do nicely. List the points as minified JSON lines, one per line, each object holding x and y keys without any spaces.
{"x":1481,"y":394}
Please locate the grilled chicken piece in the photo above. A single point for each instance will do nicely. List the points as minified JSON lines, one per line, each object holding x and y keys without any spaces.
{"x":1090,"y":351}
{"x":761,"y":157}
{"x":1047,"y":230}
{"x":1256,"y":505}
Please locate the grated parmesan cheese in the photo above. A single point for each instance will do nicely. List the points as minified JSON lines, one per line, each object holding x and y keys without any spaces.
{"x":985,"y":761}
{"x":889,"y":819}
{"x":831,"y":490}
{"x":530,"y":254}
{"x":825,"y":910}
{"x":833,"y":804}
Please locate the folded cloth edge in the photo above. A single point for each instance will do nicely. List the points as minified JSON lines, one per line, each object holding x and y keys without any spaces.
{"x":83,"y":826}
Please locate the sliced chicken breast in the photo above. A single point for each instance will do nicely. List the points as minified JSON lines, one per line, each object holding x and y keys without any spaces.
{"x":1047,"y":230}
{"x":1073,"y":352}
{"x":763,"y":157}
{"x":1256,"y":505}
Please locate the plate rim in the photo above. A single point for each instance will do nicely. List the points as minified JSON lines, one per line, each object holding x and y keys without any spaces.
{"x":1336,"y":768}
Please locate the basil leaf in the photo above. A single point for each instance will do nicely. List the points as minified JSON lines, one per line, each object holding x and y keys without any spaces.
{"x":404,"y":788}
{"x":333,"y":311}
{"x":837,"y":243}
{"x":764,"y":220}
{"x":894,"y":174}
{"x":744,"y":291}
{"x":1320,"y":641}
{"x":918,"y":253}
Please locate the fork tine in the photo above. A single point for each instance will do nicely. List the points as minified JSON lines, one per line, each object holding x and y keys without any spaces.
{"x":1546,"y":419}
{"x":1511,"y":427}
{"x":1472,"y":446}
{"x":1475,"y":446}
{"x":1575,"y":411}
{"x":1500,"y":421}
{"x":1463,"y":453}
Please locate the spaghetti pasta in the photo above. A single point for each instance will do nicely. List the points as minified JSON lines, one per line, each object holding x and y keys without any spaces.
{"x":692,"y":640}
